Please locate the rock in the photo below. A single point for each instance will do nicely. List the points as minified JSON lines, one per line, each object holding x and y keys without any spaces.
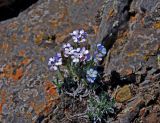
{"x":123,"y":94}
{"x":152,"y":118}
{"x":130,"y":32}
{"x":135,"y":41}
{"x":128,"y":28}
{"x":148,"y":92}
{"x":130,"y":112}
{"x":150,"y":114}
{"x":142,"y":112}
{"x":26,"y":86}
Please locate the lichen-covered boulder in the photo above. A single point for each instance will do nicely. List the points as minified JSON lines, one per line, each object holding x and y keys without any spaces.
{"x":26,"y":91}
{"x":131,"y":30}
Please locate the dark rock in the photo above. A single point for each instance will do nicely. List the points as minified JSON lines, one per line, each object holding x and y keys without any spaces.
{"x":130,"y":31}
{"x":128,"y":28}
{"x":25,"y":52}
{"x":152,"y":118}
{"x":130,"y":112}
{"x":135,"y":40}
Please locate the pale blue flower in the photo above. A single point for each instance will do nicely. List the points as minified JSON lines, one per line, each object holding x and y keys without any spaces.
{"x":97,"y":57}
{"x":91,"y":75}
{"x":81,"y":55}
{"x":101,"y":49}
{"x":68,"y":49}
{"x":99,"y":53}
{"x":76,"y":55}
{"x":79,"y":36}
{"x":55,"y":61}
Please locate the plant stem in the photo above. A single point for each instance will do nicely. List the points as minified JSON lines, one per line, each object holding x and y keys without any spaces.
{"x":60,"y":74}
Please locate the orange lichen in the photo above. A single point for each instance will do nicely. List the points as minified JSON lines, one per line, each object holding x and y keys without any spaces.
{"x":127,"y":71}
{"x":54,"y":23}
{"x":7,"y":71}
{"x":25,"y":38}
{"x":50,"y":89}
{"x":123,"y":94}
{"x":131,"y":54}
{"x":124,"y":34}
{"x":1,"y":108}
{"x":61,"y":36}
{"x":51,"y":94}
{"x":5,"y":47}
{"x":26,"y":61}
{"x":13,"y":25}
{"x":63,"y":14}
{"x":12,"y":73}
{"x":14,"y":37}
{"x":38,"y":108}
{"x":26,"y":29}
{"x":43,"y":107}
{"x":156,"y":25}
{"x":122,"y":37}
{"x":142,"y":21}
{"x":15,"y":70}
{"x":21,"y":53}
{"x":110,"y":14}
{"x":133,"y":18}
{"x":17,"y":74}
{"x":3,"y":99}
{"x":42,"y":58}
{"x":96,"y":29}
{"x":38,"y":38}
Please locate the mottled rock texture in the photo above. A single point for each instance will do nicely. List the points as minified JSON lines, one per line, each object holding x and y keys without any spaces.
{"x":26,"y":91}
{"x":129,"y":29}
{"x":133,"y":33}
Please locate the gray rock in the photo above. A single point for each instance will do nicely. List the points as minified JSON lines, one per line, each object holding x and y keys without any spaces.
{"x":135,"y":41}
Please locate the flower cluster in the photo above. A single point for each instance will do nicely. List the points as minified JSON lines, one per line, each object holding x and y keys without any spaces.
{"x":79,"y":36}
{"x":99,"y":53}
{"x":79,"y":56}
{"x":77,"y":67}
{"x":68,"y":49}
{"x":55,"y":61}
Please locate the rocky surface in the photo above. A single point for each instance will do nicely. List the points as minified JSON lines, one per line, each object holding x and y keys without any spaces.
{"x":133,"y":28}
{"x":130,"y":31}
{"x":26,"y":91}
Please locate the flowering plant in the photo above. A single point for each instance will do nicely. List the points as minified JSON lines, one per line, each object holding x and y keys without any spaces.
{"x":77,"y":63}
{"x":77,"y":71}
